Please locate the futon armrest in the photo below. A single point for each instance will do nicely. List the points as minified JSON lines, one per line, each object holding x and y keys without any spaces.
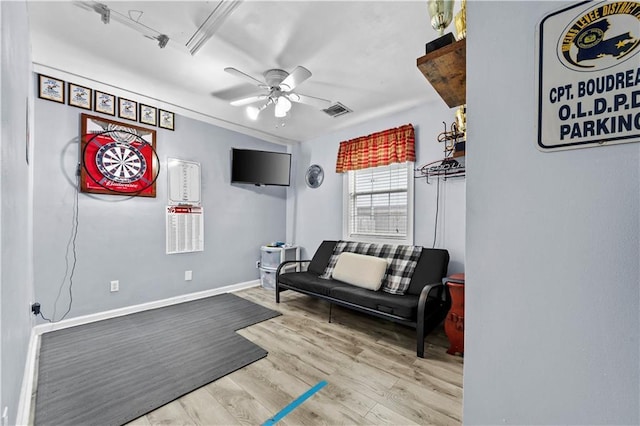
{"x":283,"y":264}
{"x":420,"y":321}
{"x":425,"y":294}
{"x":422,"y":303}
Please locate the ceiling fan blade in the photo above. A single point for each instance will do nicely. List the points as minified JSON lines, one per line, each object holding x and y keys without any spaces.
{"x":249,"y":100}
{"x":309,"y":100}
{"x":247,"y":77}
{"x":294,"y":79}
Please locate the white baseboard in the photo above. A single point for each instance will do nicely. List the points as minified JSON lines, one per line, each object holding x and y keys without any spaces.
{"x":86,"y":319}
{"x":24,"y":405}
{"x":26,"y":391}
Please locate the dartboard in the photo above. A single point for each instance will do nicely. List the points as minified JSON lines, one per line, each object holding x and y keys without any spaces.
{"x":118,"y":159}
{"x":120,"y":162}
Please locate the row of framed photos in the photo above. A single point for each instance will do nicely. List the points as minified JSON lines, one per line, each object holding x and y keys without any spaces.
{"x":53,"y":89}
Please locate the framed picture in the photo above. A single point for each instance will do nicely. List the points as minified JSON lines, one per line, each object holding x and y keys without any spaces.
{"x":148,"y":115}
{"x":80,"y":96}
{"x":117,"y":158}
{"x":127,"y":109}
{"x":104,"y":103}
{"x":167,"y":120}
{"x":50,"y":88}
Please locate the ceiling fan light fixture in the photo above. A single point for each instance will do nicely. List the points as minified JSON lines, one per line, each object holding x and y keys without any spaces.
{"x":283,"y":105}
{"x":253,"y":112}
{"x":280,"y":84}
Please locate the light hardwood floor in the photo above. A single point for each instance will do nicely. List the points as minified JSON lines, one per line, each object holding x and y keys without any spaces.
{"x":373,"y":374}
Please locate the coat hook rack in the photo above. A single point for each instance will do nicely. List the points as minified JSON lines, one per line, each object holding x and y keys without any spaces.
{"x":447,"y":168}
{"x":452,"y":165}
{"x":452,"y":139}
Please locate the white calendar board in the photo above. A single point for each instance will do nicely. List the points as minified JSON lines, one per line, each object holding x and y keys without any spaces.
{"x":184,"y":182}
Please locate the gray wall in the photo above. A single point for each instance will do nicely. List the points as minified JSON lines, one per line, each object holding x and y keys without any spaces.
{"x":123,"y":238}
{"x":316,"y":214}
{"x":16,"y":191}
{"x":552,"y":273}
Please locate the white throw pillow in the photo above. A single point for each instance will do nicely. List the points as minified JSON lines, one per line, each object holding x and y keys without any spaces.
{"x":360,"y":270}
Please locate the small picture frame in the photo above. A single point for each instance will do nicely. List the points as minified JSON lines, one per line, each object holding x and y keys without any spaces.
{"x":127,"y":109}
{"x":148,"y":115}
{"x":104,"y":103}
{"x":80,"y":96}
{"x":51,"y":89}
{"x":167,"y":120}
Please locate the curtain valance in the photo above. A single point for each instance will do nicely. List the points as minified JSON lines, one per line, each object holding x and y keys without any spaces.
{"x":378,"y":149}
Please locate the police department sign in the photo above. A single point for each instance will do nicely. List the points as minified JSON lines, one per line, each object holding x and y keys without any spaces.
{"x":589,"y":76}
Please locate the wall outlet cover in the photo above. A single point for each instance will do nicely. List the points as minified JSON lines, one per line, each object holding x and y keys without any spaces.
{"x":115,"y":286}
{"x":188,"y":275}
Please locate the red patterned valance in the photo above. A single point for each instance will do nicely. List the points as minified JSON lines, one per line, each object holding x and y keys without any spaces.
{"x":378,"y":149}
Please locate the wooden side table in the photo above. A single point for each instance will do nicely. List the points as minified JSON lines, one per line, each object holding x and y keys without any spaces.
{"x":454,"y":323}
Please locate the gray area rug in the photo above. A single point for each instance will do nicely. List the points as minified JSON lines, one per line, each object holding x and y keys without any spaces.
{"x":113,"y":371}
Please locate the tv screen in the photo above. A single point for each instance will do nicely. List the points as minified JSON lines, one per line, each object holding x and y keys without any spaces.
{"x":260,"y":167}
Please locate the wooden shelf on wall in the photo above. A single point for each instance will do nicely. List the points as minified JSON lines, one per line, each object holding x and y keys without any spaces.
{"x":446,"y":70}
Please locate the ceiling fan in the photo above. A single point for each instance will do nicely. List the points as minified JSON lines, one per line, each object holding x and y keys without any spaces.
{"x":279,"y":85}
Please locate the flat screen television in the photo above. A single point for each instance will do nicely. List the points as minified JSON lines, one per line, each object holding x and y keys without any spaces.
{"x":260,"y":167}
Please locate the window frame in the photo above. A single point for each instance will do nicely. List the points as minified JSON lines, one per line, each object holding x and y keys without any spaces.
{"x":370,"y":238}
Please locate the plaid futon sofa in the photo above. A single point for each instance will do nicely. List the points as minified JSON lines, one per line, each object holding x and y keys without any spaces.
{"x":412,"y":292}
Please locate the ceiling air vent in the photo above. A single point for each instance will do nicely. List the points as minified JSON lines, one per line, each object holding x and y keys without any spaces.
{"x":337,"y":110}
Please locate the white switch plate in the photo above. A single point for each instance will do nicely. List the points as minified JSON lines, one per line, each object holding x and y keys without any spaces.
{"x":115,"y":286}
{"x":188,"y":275}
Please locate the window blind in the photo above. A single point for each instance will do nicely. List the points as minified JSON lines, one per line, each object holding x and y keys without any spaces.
{"x":378,"y":201}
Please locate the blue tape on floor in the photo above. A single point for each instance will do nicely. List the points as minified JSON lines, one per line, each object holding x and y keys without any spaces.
{"x":294,"y":404}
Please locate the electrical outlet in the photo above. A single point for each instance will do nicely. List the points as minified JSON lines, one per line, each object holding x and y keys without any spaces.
{"x":115,"y":286}
{"x":257,"y":263}
{"x":188,"y":275}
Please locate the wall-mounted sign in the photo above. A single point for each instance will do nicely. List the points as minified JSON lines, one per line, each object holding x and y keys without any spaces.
{"x":589,"y":76}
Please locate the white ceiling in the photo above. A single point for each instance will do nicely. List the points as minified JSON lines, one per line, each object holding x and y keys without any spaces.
{"x":361,"y":54}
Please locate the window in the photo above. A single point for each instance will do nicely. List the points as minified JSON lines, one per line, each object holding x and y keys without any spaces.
{"x":379,"y":204}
